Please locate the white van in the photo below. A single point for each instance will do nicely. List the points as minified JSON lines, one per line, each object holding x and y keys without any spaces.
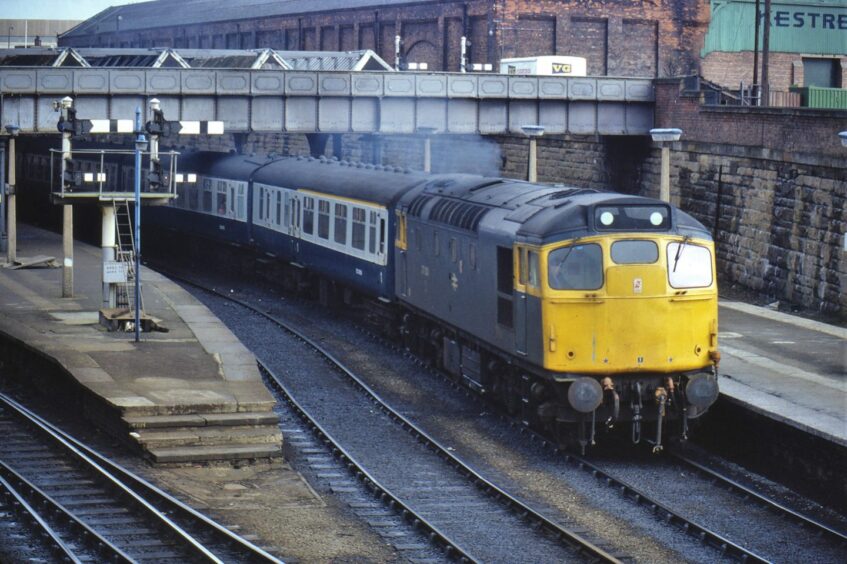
{"x":552,"y":65}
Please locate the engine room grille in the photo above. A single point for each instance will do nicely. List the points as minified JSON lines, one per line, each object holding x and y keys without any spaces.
{"x":463,"y":215}
{"x":418,"y":204}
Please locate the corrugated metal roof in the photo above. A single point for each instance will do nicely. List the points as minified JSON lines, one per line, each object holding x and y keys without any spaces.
{"x":802,"y":26}
{"x":334,"y":60}
{"x":167,"y":13}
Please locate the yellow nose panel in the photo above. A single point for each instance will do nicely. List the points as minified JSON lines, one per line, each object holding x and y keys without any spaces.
{"x":621,"y":334}
{"x":636,"y":281}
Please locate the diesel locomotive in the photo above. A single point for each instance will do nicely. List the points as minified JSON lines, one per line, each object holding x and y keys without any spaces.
{"x":578,"y":310}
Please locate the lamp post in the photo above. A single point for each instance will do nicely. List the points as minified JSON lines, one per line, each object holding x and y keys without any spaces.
{"x":9,"y":37}
{"x":65,"y":105}
{"x":843,"y":136}
{"x":11,"y":205}
{"x":427,"y":132}
{"x":665,"y":136}
{"x":533,"y":132}
{"x":140,"y":146}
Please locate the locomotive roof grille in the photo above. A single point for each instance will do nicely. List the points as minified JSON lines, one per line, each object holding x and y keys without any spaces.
{"x":418,"y":203}
{"x":463,"y":215}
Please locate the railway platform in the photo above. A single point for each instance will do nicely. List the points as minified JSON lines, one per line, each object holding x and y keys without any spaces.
{"x":190,"y":394}
{"x":787,"y":368}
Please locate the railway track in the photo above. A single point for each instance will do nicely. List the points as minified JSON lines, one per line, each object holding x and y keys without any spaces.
{"x":666,"y":513}
{"x":463,"y":512}
{"x":89,"y":509}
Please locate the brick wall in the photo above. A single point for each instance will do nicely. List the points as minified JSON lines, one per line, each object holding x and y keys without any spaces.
{"x":622,"y":38}
{"x":618,"y":37}
{"x":784,"y":69}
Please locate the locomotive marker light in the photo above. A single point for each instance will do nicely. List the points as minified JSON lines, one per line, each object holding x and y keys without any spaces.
{"x":533,"y":132}
{"x":665,"y":136}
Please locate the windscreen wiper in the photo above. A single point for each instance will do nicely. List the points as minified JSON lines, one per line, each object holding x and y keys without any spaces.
{"x":679,"y":251}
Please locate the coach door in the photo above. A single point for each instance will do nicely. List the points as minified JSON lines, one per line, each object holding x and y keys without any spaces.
{"x":293,"y":211}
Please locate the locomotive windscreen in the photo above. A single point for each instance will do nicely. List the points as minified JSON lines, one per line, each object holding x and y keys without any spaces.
{"x":632,"y":218}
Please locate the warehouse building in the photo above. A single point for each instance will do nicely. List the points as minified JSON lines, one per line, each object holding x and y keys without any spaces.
{"x":618,"y":38}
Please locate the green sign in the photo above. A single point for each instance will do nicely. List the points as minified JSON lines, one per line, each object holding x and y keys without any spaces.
{"x":811,"y":27}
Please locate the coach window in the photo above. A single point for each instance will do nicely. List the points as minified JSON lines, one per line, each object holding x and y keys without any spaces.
{"x":207,"y":196}
{"x":341,"y":224}
{"x":382,"y":235}
{"x":231,"y":201}
{"x":472,"y":255}
{"x":308,"y":215}
{"x":221,"y":197}
{"x":436,"y":249}
{"x":242,"y":204}
{"x":267,"y":217}
{"x":323,"y":219}
{"x":286,"y":209}
{"x":278,"y":207}
{"x":358,"y":230}
{"x":261,"y":203}
{"x":372,"y":232}
{"x":454,"y":249}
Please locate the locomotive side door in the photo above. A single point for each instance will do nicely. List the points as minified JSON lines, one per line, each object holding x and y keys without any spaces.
{"x":521,"y":268}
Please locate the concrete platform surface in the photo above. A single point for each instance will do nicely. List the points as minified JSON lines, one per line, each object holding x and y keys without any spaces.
{"x":786,"y":367}
{"x":197,"y":369}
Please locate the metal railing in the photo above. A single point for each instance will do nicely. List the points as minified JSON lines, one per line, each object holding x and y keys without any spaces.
{"x":109,"y":173}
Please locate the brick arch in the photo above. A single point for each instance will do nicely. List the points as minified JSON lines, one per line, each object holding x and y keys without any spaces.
{"x":424,"y":51}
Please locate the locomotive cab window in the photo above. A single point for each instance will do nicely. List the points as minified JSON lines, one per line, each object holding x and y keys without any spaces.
{"x":635,"y":252}
{"x":689,"y":265}
{"x":578,"y":267}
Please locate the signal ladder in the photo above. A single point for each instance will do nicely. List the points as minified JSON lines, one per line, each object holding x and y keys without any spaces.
{"x":125,"y":254}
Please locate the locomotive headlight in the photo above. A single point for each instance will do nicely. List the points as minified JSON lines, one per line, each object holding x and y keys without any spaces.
{"x":585,"y":395}
{"x":701,"y":390}
{"x":606,"y":218}
{"x":656,"y":218}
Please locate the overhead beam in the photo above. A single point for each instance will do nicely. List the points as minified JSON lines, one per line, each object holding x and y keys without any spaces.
{"x":334,"y":102}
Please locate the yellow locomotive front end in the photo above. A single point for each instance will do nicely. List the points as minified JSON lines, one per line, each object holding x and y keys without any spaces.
{"x":628,"y":319}
{"x":613,"y":305}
